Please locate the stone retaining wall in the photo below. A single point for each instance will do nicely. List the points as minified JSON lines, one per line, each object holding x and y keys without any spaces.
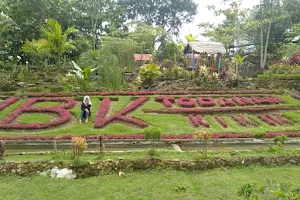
{"x":114,"y":166}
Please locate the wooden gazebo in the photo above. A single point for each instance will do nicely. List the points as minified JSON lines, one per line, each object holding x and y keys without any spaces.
{"x":204,"y":53}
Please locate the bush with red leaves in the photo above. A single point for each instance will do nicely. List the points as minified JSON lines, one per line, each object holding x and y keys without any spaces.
{"x":206,"y":102}
{"x":198,"y":120}
{"x":186,"y":102}
{"x":166,"y":101}
{"x":221,"y":121}
{"x":219,"y":110}
{"x":8,"y":102}
{"x":28,"y":107}
{"x":267,"y":119}
{"x":226,"y":102}
{"x":101,"y":121}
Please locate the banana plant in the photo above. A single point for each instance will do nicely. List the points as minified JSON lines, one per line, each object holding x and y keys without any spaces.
{"x":191,"y":37}
{"x":81,"y":73}
{"x":237,"y":61}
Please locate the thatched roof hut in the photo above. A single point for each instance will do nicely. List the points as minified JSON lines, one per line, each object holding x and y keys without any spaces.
{"x":205,"y":47}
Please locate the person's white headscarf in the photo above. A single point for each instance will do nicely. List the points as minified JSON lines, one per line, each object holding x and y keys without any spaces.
{"x":87,"y":97}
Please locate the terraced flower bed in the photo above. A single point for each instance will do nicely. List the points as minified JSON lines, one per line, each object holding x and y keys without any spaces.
{"x":178,"y":114}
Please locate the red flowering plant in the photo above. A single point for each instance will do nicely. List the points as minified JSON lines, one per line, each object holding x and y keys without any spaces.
{"x":122,"y":116}
{"x":186,"y":102}
{"x":27,"y":107}
{"x":8,"y":102}
{"x":198,"y":120}
{"x":266,"y":119}
{"x":221,"y":121}
{"x":274,"y":119}
{"x":226,"y":102}
{"x":218,"y":110}
{"x":206,"y":102}
{"x":243,"y":120}
{"x":166,"y":101}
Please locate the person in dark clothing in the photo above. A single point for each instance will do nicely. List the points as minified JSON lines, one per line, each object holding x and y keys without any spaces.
{"x":85,"y":109}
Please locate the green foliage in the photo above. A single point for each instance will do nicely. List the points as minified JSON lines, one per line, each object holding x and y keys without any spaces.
{"x":171,"y":51}
{"x":283,"y":68}
{"x":231,"y":28}
{"x":54,"y":40}
{"x":191,"y":38}
{"x":145,"y":36}
{"x":30,"y":48}
{"x":280,"y":140}
{"x":153,"y":134}
{"x":123,"y":49}
{"x":108,"y":69}
{"x":148,"y":73}
{"x":259,"y":135}
{"x":78,"y":146}
{"x":171,"y":14}
{"x":152,"y":152}
{"x":270,"y":189}
{"x":286,"y":50}
{"x":178,"y":71}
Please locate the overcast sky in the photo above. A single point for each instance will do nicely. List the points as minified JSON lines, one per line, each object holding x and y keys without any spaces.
{"x":204,"y":15}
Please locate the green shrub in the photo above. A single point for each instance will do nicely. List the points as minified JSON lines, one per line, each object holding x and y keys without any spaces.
{"x":153,"y":134}
{"x":259,"y":135}
{"x":268,"y":190}
{"x":148,"y":73}
{"x":280,"y":140}
{"x":78,"y":146}
{"x":282,"y":69}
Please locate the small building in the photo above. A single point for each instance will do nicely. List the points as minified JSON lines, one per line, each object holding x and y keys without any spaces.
{"x":204,"y":53}
{"x":142,"y":57}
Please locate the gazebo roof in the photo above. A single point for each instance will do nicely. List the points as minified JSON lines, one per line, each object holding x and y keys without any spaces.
{"x":207,"y":47}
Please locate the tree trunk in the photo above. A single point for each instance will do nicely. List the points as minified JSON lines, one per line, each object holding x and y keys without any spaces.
{"x":58,"y":59}
{"x":94,"y":35}
{"x":266,"y":46}
{"x":261,"y":38}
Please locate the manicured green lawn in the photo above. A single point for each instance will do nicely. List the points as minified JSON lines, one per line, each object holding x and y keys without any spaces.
{"x":34,"y":117}
{"x":162,"y":154}
{"x":170,"y":124}
{"x":147,"y":185}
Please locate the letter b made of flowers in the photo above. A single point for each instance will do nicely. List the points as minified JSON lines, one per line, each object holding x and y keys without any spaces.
{"x":61,"y":111}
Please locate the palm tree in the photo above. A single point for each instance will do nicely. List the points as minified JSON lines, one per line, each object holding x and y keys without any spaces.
{"x":54,"y":39}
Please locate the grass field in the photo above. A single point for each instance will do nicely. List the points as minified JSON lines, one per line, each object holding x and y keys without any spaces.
{"x":169,"y":124}
{"x":160,"y":154}
{"x":147,"y":185}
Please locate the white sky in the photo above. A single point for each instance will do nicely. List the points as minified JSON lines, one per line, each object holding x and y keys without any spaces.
{"x":204,"y":15}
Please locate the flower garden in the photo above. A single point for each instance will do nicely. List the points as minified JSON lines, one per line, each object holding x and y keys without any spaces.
{"x":124,"y":115}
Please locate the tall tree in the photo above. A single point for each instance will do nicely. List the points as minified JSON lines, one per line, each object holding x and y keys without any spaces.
{"x":97,"y":17}
{"x":264,"y":18}
{"x":146,"y":37}
{"x":29,"y":15}
{"x":230,"y":30}
{"x":169,"y":14}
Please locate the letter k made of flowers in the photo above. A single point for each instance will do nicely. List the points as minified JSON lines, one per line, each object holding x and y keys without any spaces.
{"x":101,"y":119}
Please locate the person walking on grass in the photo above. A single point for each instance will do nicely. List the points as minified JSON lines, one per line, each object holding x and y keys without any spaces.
{"x":85,"y":109}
